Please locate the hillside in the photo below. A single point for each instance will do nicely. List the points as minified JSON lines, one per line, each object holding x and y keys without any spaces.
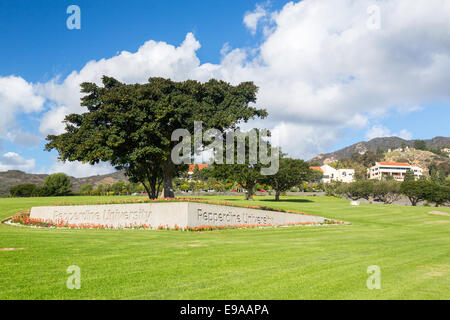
{"x":422,"y":159}
{"x":376,"y":144}
{"x":14,"y":177}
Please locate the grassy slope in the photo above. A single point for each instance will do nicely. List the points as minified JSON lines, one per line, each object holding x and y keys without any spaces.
{"x":411,"y":247}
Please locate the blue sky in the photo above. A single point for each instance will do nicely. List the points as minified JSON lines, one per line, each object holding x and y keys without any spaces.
{"x":39,"y":49}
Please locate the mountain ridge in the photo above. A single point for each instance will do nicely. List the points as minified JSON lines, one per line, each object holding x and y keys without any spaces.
{"x":383,"y":143}
{"x":14,"y":177}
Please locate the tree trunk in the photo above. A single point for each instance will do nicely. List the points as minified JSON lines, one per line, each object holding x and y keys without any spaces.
{"x":168,"y":176}
{"x":250,"y":192}
{"x":277,"y":195}
{"x":149,"y":194}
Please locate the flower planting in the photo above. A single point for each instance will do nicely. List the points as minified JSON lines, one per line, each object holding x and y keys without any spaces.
{"x":25,"y":220}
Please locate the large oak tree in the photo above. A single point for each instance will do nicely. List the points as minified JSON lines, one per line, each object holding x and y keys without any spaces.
{"x":130,"y":125}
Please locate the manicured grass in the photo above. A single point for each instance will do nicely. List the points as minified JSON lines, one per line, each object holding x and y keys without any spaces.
{"x":411,"y":247}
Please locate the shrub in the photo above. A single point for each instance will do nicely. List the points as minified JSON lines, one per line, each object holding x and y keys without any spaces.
{"x":361,"y":189}
{"x":23,"y":190}
{"x":86,"y":189}
{"x":416,"y":191}
{"x":387,"y":191}
{"x":438,"y":194}
{"x":335,"y":189}
{"x":58,"y":184}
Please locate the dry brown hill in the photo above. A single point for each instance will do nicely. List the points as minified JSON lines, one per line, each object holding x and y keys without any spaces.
{"x":376,"y":144}
{"x":15,"y":177}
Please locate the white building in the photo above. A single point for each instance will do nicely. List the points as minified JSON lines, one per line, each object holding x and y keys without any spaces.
{"x":332,"y":174}
{"x":394,"y":169}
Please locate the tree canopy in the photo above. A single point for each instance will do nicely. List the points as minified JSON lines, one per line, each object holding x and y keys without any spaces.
{"x":130,"y":125}
{"x":58,"y":184}
{"x":291,"y":173}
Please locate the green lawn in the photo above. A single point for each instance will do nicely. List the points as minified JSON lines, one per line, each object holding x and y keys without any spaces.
{"x":411,"y":247}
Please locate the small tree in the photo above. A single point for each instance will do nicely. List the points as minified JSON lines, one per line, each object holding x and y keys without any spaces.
{"x":387,"y":191}
{"x":409,"y":176}
{"x":86,"y":189}
{"x":118,"y":187}
{"x":416,"y":191}
{"x":420,"y":145}
{"x":438,"y":194}
{"x":58,"y":184}
{"x":185,"y":187}
{"x":361,"y":189}
{"x":291,"y":173}
{"x":246,"y":174}
{"x":23,"y":190}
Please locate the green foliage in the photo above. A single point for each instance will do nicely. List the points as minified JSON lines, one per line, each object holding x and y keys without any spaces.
{"x":409,"y":176}
{"x":203,"y":174}
{"x":130,"y":126}
{"x":314,"y":175}
{"x":23,"y":190}
{"x":86,"y":189}
{"x":403,"y":238}
{"x":185,"y":187}
{"x":361,"y":189}
{"x":387,"y":191}
{"x":58,"y":184}
{"x":416,"y":191}
{"x":247,"y":175}
{"x":118,"y":187}
{"x":438,"y":194}
{"x":420,"y":145}
{"x":366,"y":159}
{"x":291,"y":172}
{"x":335,"y":188}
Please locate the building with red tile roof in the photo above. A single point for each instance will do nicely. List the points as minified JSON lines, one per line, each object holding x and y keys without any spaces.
{"x":397,"y":170}
{"x":192,"y":167}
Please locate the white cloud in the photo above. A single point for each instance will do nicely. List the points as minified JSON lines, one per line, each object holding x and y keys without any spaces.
{"x":307,"y":140}
{"x":405,"y":134}
{"x":152,"y":59}
{"x":80,"y":170}
{"x":13,"y":161}
{"x":320,"y":68}
{"x":251,"y":19}
{"x":23,"y":139}
{"x":16,"y":96}
{"x":379,"y":131}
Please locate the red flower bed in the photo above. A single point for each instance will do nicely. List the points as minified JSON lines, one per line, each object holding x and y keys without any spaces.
{"x":24,"y":219}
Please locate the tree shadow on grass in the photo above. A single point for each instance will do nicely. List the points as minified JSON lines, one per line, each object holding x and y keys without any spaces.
{"x":286,"y":200}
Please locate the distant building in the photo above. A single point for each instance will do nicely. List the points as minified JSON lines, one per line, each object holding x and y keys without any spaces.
{"x":446,"y":150}
{"x":394,"y":169}
{"x":192,"y":167}
{"x":331,"y":174}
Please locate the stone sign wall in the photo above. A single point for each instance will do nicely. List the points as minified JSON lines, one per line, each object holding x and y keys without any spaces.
{"x":167,"y":214}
